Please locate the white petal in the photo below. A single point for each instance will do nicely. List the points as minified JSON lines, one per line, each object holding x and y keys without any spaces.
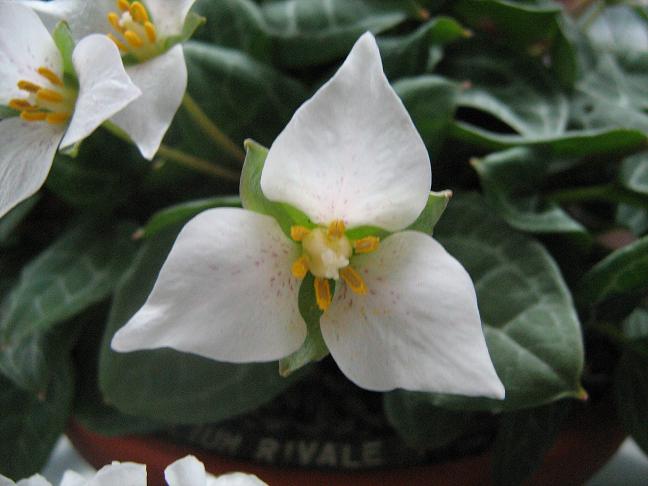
{"x":26,"y":156}
{"x":417,"y":328}
{"x":35,"y":480}
{"x":104,"y":86}
{"x":187,"y":471}
{"x":351,"y":152}
{"x":25,"y":45}
{"x":163,"y":81}
{"x":169,"y":15}
{"x":225,"y":292}
{"x":235,"y":479}
{"x":72,"y":478}
{"x":83,"y":16}
{"x":119,"y":474}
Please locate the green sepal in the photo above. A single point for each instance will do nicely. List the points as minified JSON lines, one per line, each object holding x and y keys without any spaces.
{"x":179,"y":213}
{"x":436,"y":204}
{"x":252,"y":197}
{"x":6,"y":112}
{"x":64,"y":41}
{"x":192,"y":22}
{"x":314,"y":348}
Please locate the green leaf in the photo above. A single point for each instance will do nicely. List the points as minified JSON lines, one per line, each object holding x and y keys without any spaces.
{"x":635,"y":326}
{"x":411,"y":54}
{"x":622,"y":271}
{"x":421,"y":423}
{"x":620,"y":30}
{"x":183,"y":212}
{"x":512,"y":180}
{"x":431,"y":214}
{"x":531,"y":327}
{"x":65,"y":43}
{"x":31,"y":424}
{"x":570,"y":144}
{"x":167,"y":385}
{"x":253,"y":198}
{"x":431,"y":102}
{"x":634,"y":172}
{"x":314,"y":347}
{"x":10,"y":221}
{"x":631,"y":394}
{"x":633,"y":218}
{"x":523,"y":438}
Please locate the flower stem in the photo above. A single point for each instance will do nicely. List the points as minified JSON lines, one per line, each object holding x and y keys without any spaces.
{"x":210,"y":128}
{"x":196,"y":163}
{"x":604,"y":193}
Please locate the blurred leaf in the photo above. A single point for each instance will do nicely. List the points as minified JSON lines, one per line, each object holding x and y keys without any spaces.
{"x":631,"y":394}
{"x":531,"y":327}
{"x":512,"y":180}
{"x":622,"y":271}
{"x":167,"y":385}
{"x":10,"y":221}
{"x":620,"y":30}
{"x":523,"y":438}
{"x":634,"y":172}
{"x":633,"y":218}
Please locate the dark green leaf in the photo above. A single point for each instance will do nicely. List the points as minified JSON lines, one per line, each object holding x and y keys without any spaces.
{"x":523,"y":438}
{"x":32,"y":424}
{"x":624,"y":270}
{"x":13,"y":218}
{"x":164,"y":384}
{"x":314,"y":347}
{"x":531,"y":327}
{"x":631,"y":393}
{"x":421,"y":423}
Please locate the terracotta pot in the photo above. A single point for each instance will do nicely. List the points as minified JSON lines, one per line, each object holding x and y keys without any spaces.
{"x":585,"y":445}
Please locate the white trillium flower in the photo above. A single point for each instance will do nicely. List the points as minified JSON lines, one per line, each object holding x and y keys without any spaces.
{"x":404,"y":313}
{"x":51,"y":110}
{"x":142,"y":31}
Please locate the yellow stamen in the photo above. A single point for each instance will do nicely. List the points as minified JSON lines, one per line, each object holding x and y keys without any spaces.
{"x":366,"y":244}
{"x":298,"y":233}
{"x":57,"y":117}
{"x":139,"y":13}
{"x":299,"y":267}
{"x":50,"y":75}
{"x":336,"y":229}
{"x":322,"y":293}
{"x":118,"y":43}
{"x":123,"y":5}
{"x":20,"y":105}
{"x":133,"y":39}
{"x":151,"y":33}
{"x":49,"y":95}
{"x":28,"y":86}
{"x":113,"y":18}
{"x":353,"y":280}
{"x":33,"y":115}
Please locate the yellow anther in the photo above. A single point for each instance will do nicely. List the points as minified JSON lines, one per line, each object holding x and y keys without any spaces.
{"x":138,"y":11}
{"x":113,"y":18}
{"x":299,"y":267}
{"x":50,"y":75}
{"x":151,"y":33}
{"x":118,"y":43}
{"x":49,"y":95}
{"x":28,"y":86}
{"x":336,"y":229}
{"x":123,"y":5}
{"x":353,"y":280}
{"x":322,"y":293}
{"x":366,"y":244}
{"x":20,"y":105}
{"x":33,"y":115}
{"x":57,"y":117}
{"x":298,"y":233}
{"x":133,"y":39}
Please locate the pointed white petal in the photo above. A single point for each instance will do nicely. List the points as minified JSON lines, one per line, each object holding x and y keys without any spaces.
{"x":163,"y":81}
{"x":235,"y":479}
{"x":225,"y":292}
{"x":351,"y":152}
{"x":417,"y":328}
{"x":25,"y":45}
{"x":187,"y":471}
{"x":169,"y":15}
{"x":35,"y":480}
{"x":104,"y":86}
{"x":119,"y":473}
{"x":26,"y":156}
{"x":84,"y":17}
